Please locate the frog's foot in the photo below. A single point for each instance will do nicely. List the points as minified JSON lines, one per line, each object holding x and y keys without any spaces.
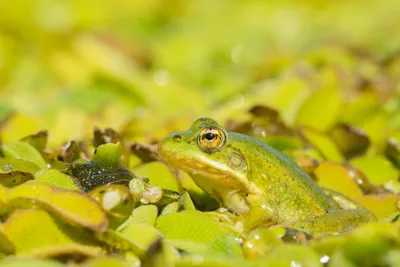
{"x":337,"y":221}
{"x":222,"y":215}
{"x":261,"y":214}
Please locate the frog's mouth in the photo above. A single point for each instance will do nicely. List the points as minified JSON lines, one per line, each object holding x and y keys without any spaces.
{"x":211,"y":173}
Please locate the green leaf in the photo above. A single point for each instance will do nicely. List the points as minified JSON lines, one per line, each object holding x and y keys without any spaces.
{"x":320,"y":110}
{"x":226,"y":245}
{"x":141,"y":234}
{"x":45,"y":235}
{"x":323,"y":144}
{"x":108,"y":154}
{"x":76,"y":207}
{"x":55,"y":178}
{"x":24,"y":151}
{"x":378,"y":169}
{"x":17,"y":262}
{"x":190,"y":230}
{"x":13,"y":164}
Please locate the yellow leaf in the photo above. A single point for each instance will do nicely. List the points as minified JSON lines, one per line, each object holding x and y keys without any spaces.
{"x":35,"y":232}
{"x":338,"y":178}
{"x":323,"y":144}
{"x":76,"y":207}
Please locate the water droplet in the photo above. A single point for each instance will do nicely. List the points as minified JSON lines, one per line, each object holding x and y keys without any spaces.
{"x":295,"y":264}
{"x":324,"y":259}
{"x":161,"y":77}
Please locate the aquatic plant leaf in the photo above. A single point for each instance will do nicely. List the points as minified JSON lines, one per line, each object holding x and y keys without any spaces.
{"x":158,"y":174}
{"x":6,"y":246}
{"x":13,"y":164}
{"x":55,"y":178}
{"x":146,"y":153}
{"x":350,"y":140}
{"x":260,"y":242}
{"x":46,"y":236}
{"x":226,"y":245}
{"x":38,"y":140}
{"x":14,"y":178}
{"x":190,"y":230}
{"x":5,"y":206}
{"x":24,"y":151}
{"x":171,"y":208}
{"x":106,"y":262}
{"x":143,"y":214}
{"x":108,"y":154}
{"x":378,"y":169}
{"x":70,"y":152}
{"x":109,"y":135}
{"x":336,"y":177}
{"x":382,"y":205}
{"x":161,"y":254}
{"x":338,"y":259}
{"x":76,"y":207}
{"x":141,"y":234}
{"x":295,"y":255}
{"x":116,"y":241}
{"x":116,"y":201}
{"x":369,"y":243}
{"x":392,"y":150}
{"x":320,"y":110}
{"x":323,"y":144}
{"x":17,"y":262}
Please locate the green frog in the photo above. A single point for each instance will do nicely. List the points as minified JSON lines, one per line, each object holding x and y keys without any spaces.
{"x":259,"y":184}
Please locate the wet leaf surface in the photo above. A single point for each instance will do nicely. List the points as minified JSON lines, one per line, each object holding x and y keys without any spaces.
{"x":23,"y":151}
{"x":190,"y":230}
{"x":60,"y":238}
{"x":378,"y":169}
{"x":14,"y":178}
{"x":116,"y":201}
{"x":323,"y":144}
{"x":75,"y":207}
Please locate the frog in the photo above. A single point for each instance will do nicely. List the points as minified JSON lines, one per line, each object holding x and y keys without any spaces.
{"x":260,"y":185}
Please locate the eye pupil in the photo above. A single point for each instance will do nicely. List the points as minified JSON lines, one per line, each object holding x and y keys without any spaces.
{"x":209,"y":136}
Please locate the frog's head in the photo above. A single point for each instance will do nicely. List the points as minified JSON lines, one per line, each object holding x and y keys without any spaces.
{"x":209,"y":154}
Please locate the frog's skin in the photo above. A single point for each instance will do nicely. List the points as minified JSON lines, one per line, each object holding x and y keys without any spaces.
{"x":256,"y":182}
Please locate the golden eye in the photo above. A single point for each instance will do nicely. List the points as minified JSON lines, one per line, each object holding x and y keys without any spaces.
{"x":211,"y":138}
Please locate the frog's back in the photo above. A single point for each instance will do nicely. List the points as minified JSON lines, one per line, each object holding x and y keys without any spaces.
{"x":283,"y":182}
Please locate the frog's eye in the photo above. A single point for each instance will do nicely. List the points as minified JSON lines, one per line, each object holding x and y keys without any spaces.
{"x":211,"y":138}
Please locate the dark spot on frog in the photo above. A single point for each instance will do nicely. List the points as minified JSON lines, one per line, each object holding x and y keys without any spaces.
{"x":14,"y":181}
{"x":126,"y":202}
{"x":177,"y":137}
{"x":191,"y":141}
{"x":95,"y":151}
{"x":102,"y":191}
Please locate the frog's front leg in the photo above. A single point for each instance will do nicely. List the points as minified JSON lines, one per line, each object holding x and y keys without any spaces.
{"x":258,"y":212}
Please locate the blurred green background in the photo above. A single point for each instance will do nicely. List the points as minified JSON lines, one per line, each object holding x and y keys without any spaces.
{"x":147,"y":68}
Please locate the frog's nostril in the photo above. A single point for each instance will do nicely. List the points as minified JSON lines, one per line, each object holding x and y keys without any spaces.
{"x":177,"y":137}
